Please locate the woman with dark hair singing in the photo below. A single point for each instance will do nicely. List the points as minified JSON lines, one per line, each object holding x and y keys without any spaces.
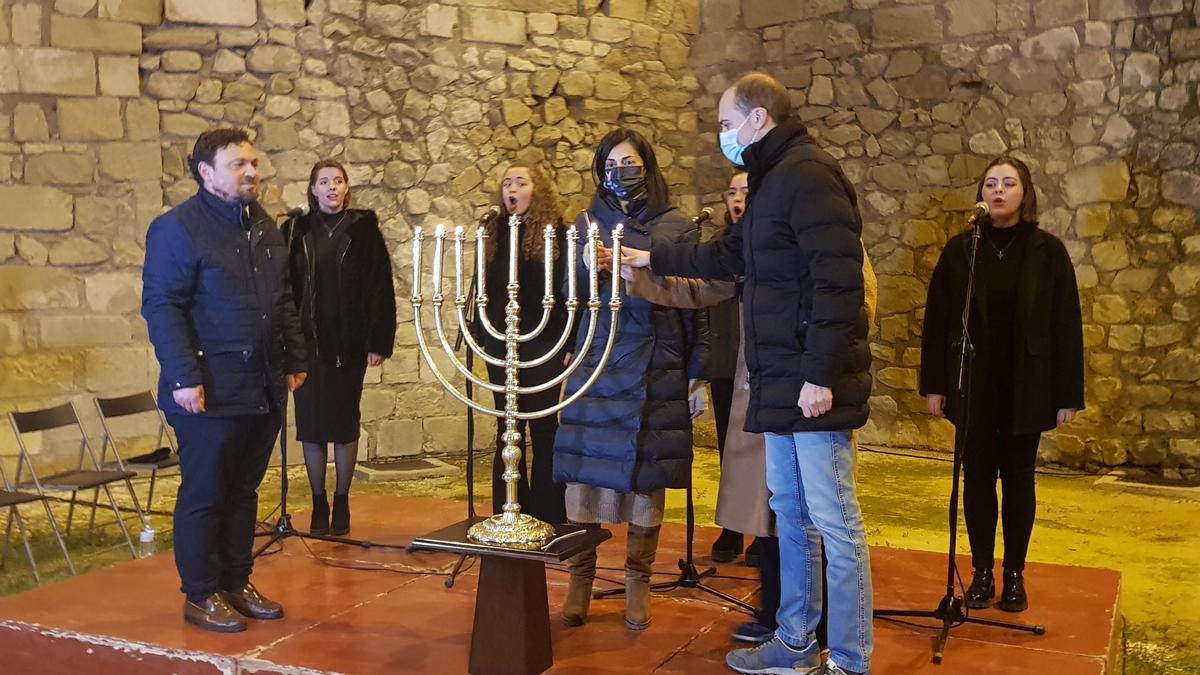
{"x":342,"y":280}
{"x":1027,"y":373}
{"x":630,"y":436}
{"x":526,"y":192}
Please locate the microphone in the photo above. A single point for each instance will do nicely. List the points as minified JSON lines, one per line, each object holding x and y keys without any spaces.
{"x":492,"y":212}
{"x":980,"y":210}
{"x":705,"y":214}
{"x":296,"y":211}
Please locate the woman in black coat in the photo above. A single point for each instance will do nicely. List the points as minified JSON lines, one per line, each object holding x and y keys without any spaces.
{"x":1027,"y":373}
{"x":342,"y":279}
{"x":526,"y":192}
{"x":629,"y":438}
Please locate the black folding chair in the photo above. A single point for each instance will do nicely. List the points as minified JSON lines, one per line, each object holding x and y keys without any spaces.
{"x":11,"y":499}
{"x":164,"y":456}
{"x":72,"y":480}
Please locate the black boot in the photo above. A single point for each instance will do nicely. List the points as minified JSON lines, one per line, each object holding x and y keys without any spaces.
{"x":982,"y":589}
{"x":340,"y":523}
{"x":753,"y":554}
{"x":727,"y":547}
{"x":1013,"y":598}
{"x":320,"y":515}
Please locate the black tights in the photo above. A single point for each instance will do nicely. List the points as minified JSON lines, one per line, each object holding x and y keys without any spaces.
{"x":316,"y":456}
{"x":992,"y":454}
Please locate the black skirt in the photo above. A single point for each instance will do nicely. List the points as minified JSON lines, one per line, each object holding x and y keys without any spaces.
{"x":327,"y":406}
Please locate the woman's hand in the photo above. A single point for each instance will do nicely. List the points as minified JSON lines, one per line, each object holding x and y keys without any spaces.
{"x":937,"y":404}
{"x":604,"y":258}
{"x":1066,"y":415}
{"x":567,"y":359}
{"x":696,"y":404}
{"x":634,"y":257}
{"x":374,"y":359}
{"x":296,"y":380}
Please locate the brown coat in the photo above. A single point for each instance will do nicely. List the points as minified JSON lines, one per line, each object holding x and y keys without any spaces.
{"x":743,"y":497}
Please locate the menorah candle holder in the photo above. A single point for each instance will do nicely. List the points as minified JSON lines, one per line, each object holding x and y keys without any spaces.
{"x":511,"y":527}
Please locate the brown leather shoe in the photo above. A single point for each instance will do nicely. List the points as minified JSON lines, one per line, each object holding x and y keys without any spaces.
{"x":249,"y":602}
{"x":213,"y":614}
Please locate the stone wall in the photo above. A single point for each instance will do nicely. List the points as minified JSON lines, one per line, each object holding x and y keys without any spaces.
{"x":425,"y":103}
{"x":1099,"y":97}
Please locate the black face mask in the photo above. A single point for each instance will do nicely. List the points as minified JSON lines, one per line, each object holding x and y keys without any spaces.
{"x":627,"y":183}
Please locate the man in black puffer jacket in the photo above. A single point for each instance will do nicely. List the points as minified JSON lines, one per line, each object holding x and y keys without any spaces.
{"x":798,"y":246}
{"x":218,"y":305}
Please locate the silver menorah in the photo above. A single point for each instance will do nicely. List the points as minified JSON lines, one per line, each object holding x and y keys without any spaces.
{"x":511,"y":527}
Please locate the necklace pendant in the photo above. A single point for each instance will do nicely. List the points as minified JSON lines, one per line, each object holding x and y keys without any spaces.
{"x":1000,"y":255}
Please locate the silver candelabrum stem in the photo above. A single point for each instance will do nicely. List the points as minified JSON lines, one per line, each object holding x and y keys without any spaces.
{"x":511,"y":527}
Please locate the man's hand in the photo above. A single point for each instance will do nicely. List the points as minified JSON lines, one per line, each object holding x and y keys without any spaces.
{"x":696,"y":403}
{"x":296,"y":380}
{"x":1065,"y":415}
{"x":937,"y":404}
{"x":374,"y":359}
{"x":190,"y":399}
{"x":815,"y":400}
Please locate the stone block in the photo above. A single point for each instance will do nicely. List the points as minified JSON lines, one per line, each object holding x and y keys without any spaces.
{"x":24,"y":288}
{"x":27,"y":23}
{"x":759,"y":13}
{"x":181,"y":38}
{"x":74,"y":7}
{"x":136,"y":160}
{"x":97,"y":119}
{"x":213,"y":12}
{"x":446,"y":434}
{"x":1048,"y":13}
{"x":70,"y":32}
{"x":1055,"y":44}
{"x":112,"y":371}
{"x":494,"y":25}
{"x":1140,"y":72}
{"x":119,"y":75}
{"x":399,"y":438}
{"x":1107,"y":182}
{"x":56,"y":71}
{"x":906,"y":26}
{"x":10,"y":81}
{"x":141,"y":120}
{"x":274,"y":59}
{"x":181,"y":86}
{"x":1182,"y":187}
{"x":1185,"y":279}
{"x":39,"y":374}
{"x":284,"y":12}
{"x":181,"y":61}
{"x":439,"y":21}
{"x":1112,"y":10}
{"x":35,"y":208}
{"x":77,"y":251}
{"x":970,"y":17}
{"x":145,"y":12}
{"x":12,"y":338}
{"x":56,"y":332}
{"x":604,"y":29}
{"x":29,"y":123}
{"x":59,"y":168}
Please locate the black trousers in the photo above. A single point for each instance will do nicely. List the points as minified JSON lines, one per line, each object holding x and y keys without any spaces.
{"x":721,"y":391}
{"x":221,"y":464}
{"x":537,"y":493}
{"x":990,"y":454}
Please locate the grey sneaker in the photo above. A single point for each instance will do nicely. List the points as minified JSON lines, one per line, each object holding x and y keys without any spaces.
{"x":835,"y":669}
{"x":775,"y":657}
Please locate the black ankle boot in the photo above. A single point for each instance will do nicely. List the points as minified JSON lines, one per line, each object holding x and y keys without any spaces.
{"x":982,"y":589}
{"x":1013,"y":598}
{"x":320,"y":515}
{"x":340,"y":524}
{"x":727,"y":547}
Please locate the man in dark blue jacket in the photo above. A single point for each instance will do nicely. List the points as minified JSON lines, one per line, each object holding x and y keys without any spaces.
{"x":218,"y":304}
{"x":799,"y":247}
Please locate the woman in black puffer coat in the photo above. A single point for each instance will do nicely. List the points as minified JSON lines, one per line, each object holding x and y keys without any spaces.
{"x":630,"y":436}
{"x":342,"y":280}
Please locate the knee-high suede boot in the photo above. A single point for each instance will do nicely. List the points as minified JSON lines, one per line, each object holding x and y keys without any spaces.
{"x":640,"y":548}
{"x":582,"y":567}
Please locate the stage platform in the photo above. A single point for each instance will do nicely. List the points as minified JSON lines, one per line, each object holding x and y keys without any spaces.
{"x":400,"y":618}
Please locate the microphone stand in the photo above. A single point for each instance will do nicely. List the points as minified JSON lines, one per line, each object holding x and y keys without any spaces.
{"x":952,"y":611}
{"x":470,"y":391}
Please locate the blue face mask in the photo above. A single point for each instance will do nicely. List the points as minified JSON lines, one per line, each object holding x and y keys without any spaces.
{"x":730,"y":147}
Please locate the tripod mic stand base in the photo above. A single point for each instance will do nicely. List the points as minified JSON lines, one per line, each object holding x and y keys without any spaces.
{"x":950,"y":613}
{"x":689,"y":577}
{"x":283,"y":529}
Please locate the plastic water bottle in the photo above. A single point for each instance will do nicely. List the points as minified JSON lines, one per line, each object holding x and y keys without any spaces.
{"x":147,"y":542}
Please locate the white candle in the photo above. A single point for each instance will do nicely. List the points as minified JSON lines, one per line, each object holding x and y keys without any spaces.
{"x":438,"y":251}
{"x":458,"y":270}
{"x":548,"y":261}
{"x":418,"y":235}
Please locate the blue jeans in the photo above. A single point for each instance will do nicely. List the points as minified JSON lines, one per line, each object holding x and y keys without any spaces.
{"x":811,"y":477}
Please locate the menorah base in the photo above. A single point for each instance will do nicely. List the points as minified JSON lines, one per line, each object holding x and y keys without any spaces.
{"x":523,"y":531}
